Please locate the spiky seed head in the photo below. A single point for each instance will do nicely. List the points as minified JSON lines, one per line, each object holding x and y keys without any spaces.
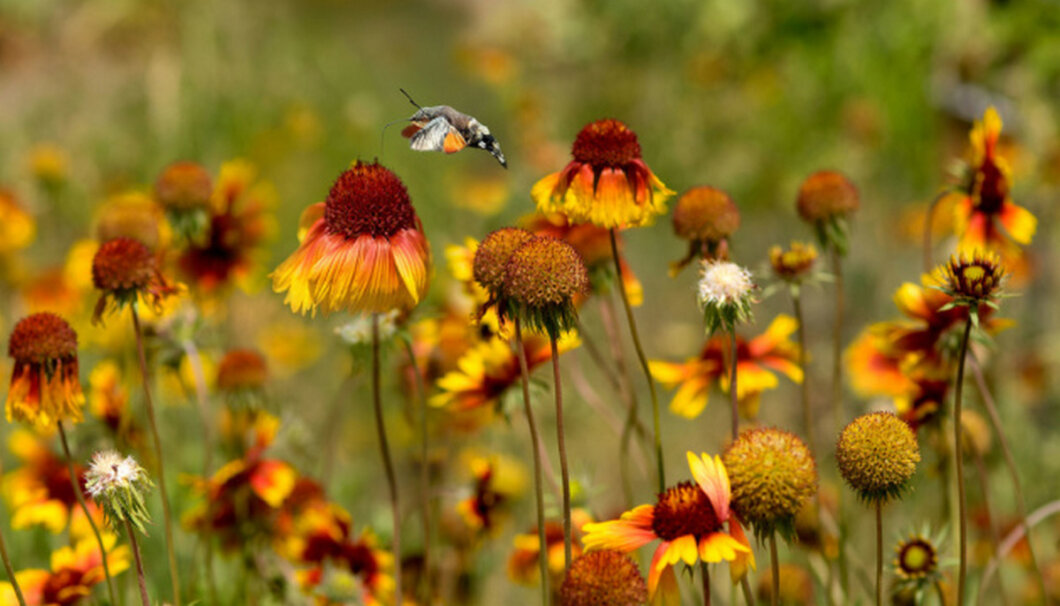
{"x":603,"y":577}
{"x":493,"y":253}
{"x":877,"y":454}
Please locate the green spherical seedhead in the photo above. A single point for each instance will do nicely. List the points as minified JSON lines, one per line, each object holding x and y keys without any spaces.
{"x":772,"y":474}
{"x":877,"y":453}
{"x":119,"y":484}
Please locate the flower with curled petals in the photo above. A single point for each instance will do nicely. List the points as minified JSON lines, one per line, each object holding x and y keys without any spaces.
{"x":363,"y":249}
{"x":690,"y":519}
{"x":45,"y":387}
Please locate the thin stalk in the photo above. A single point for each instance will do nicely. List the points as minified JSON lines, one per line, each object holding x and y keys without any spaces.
{"x":626,"y":391}
{"x":706,"y":582}
{"x":76,"y":484}
{"x":561,"y":441}
{"x":958,"y":457}
{"x":774,"y":596}
{"x":542,"y":552}
{"x":11,"y":571}
{"x":135,"y":546}
{"x":879,"y":553}
{"x":745,"y":586}
{"x":940,"y":592}
{"x":174,"y":575}
{"x":1012,"y":538}
{"x":597,"y":357}
{"x":388,"y":464}
{"x":837,"y":405}
{"x":425,"y":482}
{"x":995,"y":532}
{"x":733,"y":395}
{"x":804,"y":388}
{"x":1010,"y":462}
{"x":656,"y":421}
{"x":929,"y":218}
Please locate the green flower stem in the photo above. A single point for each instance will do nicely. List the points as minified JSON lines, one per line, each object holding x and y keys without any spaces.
{"x":958,"y":459}
{"x":879,"y":552}
{"x":135,"y":546}
{"x":1010,"y":463}
{"x":629,"y":396}
{"x":745,"y":586}
{"x":804,"y":387}
{"x":733,"y":395}
{"x":774,"y":597}
{"x":11,"y":572}
{"x":166,"y":514}
{"x":542,"y":552}
{"x":425,"y":482}
{"x":656,"y":421}
{"x":84,"y":507}
{"x":388,"y":464}
{"x":706,"y":582}
{"x":561,"y":441}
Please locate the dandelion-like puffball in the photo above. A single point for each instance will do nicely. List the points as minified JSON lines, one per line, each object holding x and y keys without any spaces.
{"x":772,"y":474}
{"x":877,"y":453}
{"x":724,"y":294}
{"x":119,"y":484}
{"x":603,"y":577}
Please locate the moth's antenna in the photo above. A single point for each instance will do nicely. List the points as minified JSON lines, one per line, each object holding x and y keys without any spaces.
{"x":382,"y":138}
{"x":409,"y":97}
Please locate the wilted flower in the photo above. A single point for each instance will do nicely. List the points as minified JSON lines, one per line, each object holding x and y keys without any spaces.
{"x":725,"y":295}
{"x":126,"y":271}
{"x":364,"y":250}
{"x":45,"y":387}
{"x":794,"y":264}
{"x":826,"y":200}
{"x":607,"y":183}
{"x":877,"y":454}
{"x":706,"y":217}
{"x":119,"y":485}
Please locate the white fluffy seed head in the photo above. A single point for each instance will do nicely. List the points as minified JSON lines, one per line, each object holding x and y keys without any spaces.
{"x":109,"y":471}
{"x":724,"y":283}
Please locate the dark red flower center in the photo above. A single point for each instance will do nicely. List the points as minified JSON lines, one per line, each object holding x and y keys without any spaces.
{"x":684,"y":510}
{"x":917,"y":557}
{"x":606,"y":143}
{"x":42,"y":338}
{"x":992,"y":187}
{"x":123,"y":264}
{"x":368,"y":199}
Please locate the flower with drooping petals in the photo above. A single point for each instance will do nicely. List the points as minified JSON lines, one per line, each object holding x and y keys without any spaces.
{"x":725,"y":295}
{"x":706,"y":217}
{"x":603,"y":577}
{"x":607,"y":183}
{"x":689,"y":518}
{"x":45,"y":387}
{"x":756,"y":359}
{"x":125,"y":271}
{"x":363,"y":251}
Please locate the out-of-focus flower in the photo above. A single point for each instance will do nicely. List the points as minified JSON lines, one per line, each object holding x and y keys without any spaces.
{"x":917,"y":566}
{"x":17,"y":227}
{"x":603,"y":577}
{"x":725,"y":293}
{"x":607,"y":182}
{"x":119,"y":484}
{"x":690,"y":519}
{"x":51,"y":290}
{"x":183,"y":189}
{"x":486,"y":372}
{"x":796,"y":586}
{"x":483,"y":194}
{"x":49,"y":164}
{"x":523,"y":567}
{"x":358,"y":331}
{"x":289,"y":346}
{"x":126,"y":271}
{"x":826,"y":201}
{"x":39,"y":492}
{"x":241,"y":377}
{"x":706,"y":217}
{"x":794,"y":264}
{"x":237,"y":225}
{"x":757,"y":358}
{"x":497,"y":481}
{"x":45,"y":386}
{"x":364,"y":249}
{"x":133,"y":215}
{"x":986,"y":206}
{"x":74,"y":572}
{"x":971,"y":279}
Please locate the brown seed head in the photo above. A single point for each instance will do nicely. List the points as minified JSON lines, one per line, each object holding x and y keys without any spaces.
{"x":42,"y":338}
{"x":242,"y":369}
{"x":122,"y":265}
{"x":184,"y":186}
{"x":975,"y":277}
{"x":826,"y":194}
{"x":794,"y":263}
{"x":368,"y":199}
{"x":772,"y":473}
{"x":601,"y":578}
{"x":606,"y":143}
{"x":877,"y":453}
{"x":493,"y":253}
{"x":545,"y":272}
{"x":705,"y":213}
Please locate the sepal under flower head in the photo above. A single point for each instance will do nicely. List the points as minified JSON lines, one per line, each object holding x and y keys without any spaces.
{"x":877,"y":454}
{"x":119,"y":484}
{"x":725,"y":293}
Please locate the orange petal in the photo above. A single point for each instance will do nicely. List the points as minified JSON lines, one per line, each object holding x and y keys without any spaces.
{"x":712,"y":478}
{"x":1019,"y":222}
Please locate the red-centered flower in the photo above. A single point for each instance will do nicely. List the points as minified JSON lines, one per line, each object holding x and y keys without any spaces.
{"x":757,"y":359}
{"x":607,"y":183}
{"x":125,"y":271}
{"x":364,"y":249}
{"x":75,"y":570}
{"x":690,"y":520}
{"x":986,"y":217}
{"x":45,"y":387}
{"x":237,"y":226}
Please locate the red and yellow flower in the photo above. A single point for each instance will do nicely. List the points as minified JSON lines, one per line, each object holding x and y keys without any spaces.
{"x":45,"y":386}
{"x":986,"y":217}
{"x":363,"y":250}
{"x":757,"y":359}
{"x":689,"y":519}
{"x":607,"y":182}
{"x":74,"y":572}
{"x":523,"y":565}
{"x":497,"y":482}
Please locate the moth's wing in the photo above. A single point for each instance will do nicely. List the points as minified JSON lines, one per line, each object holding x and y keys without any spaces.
{"x":411,"y":129}
{"x":438,"y":135}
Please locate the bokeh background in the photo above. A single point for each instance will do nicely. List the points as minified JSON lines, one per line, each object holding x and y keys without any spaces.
{"x":97,"y":96}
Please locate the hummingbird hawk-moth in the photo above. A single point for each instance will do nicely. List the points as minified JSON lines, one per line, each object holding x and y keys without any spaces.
{"x":442,"y":128}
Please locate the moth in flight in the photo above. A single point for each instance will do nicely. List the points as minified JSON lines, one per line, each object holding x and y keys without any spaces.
{"x":442,"y":128}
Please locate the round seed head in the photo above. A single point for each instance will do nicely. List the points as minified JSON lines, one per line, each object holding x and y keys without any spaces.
{"x":123,"y":264}
{"x":825,"y":195}
{"x":368,"y":199}
{"x":705,"y":213}
{"x":603,"y":577}
{"x":42,"y":338}
{"x":493,"y":253}
{"x":877,"y":454}
{"x":606,"y":143}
